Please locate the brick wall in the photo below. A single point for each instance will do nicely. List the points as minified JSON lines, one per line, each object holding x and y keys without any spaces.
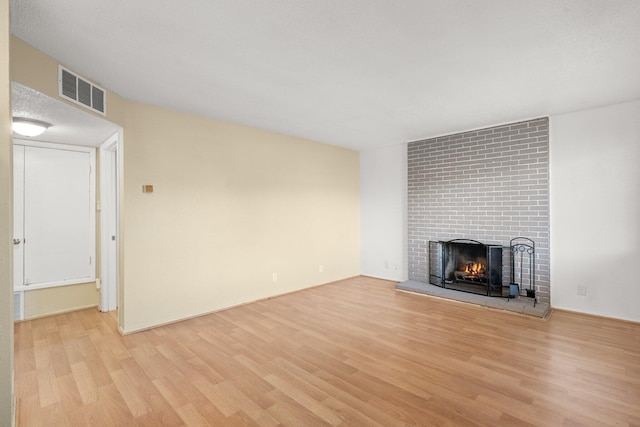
{"x":489,"y":185}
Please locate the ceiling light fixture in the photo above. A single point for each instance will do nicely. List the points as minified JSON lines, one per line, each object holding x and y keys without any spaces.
{"x":29,"y":127}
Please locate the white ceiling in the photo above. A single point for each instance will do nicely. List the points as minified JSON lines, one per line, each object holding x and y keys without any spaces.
{"x":354,"y":73}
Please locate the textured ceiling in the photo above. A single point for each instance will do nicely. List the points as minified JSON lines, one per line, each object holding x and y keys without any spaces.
{"x":70,"y":125}
{"x":355,"y":73}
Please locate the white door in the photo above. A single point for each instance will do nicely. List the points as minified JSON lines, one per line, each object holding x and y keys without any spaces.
{"x":54,"y":230}
{"x":57,"y":203}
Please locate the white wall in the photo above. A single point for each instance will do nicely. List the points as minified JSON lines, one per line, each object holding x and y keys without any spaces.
{"x":594,"y":203}
{"x":383,"y":213}
{"x":595,"y":210}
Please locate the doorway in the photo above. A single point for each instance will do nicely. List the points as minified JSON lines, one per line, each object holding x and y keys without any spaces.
{"x":72,"y":126}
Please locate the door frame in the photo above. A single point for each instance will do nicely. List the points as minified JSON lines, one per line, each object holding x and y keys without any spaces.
{"x":109,"y":220}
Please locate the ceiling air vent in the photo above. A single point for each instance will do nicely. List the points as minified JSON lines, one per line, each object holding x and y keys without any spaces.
{"x":82,"y":92}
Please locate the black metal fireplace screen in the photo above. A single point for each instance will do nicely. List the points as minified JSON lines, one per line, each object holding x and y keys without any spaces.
{"x":467,"y":265}
{"x":492,"y":270}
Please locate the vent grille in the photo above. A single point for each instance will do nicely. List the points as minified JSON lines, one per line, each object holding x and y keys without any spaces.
{"x":69,"y":85}
{"x":81,"y":91}
{"x":84,"y":92}
{"x":97,"y":99}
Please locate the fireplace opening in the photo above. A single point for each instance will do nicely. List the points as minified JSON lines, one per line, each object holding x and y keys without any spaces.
{"x":467,"y":265}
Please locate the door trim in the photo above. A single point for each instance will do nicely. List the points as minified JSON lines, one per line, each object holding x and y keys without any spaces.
{"x":109,"y":221}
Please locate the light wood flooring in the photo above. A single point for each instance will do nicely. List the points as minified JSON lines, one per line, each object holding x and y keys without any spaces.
{"x":351,"y":353}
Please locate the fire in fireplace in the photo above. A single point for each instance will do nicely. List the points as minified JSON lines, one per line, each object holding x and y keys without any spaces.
{"x":472,"y":270}
{"x":467,"y":265}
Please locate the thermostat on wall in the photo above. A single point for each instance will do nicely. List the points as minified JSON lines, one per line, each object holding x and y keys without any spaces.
{"x":147,"y":188}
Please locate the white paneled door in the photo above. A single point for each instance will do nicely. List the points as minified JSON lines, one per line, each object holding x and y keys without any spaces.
{"x":54,"y":215}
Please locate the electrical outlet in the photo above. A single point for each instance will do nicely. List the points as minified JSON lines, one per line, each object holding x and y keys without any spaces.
{"x":320,"y":268}
{"x":387,"y":265}
{"x":275,"y":277}
{"x":582,"y":290}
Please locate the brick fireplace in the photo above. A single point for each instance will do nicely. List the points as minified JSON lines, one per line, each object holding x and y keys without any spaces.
{"x":489,"y":185}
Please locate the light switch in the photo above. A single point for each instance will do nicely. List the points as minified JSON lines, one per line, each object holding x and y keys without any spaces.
{"x":147,"y":188}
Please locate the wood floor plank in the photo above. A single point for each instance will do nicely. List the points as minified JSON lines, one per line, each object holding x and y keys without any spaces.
{"x":26,"y":385}
{"x":47,"y":387}
{"x":349,"y":415}
{"x":173,"y":396}
{"x":110,"y":398}
{"x":249,"y":407}
{"x":191,"y":416}
{"x":292,"y":413}
{"x":127,"y":388}
{"x":299,"y":396}
{"x":69,"y":395}
{"x":356,"y":398}
{"x":29,"y":412}
{"x":221,"y":402}
{"x":211,"y":414}
{"x":350,"y":353}
{"x":87,"y":387}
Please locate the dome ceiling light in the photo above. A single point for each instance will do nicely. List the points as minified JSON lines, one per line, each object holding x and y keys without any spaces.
{"x":29,"y":127}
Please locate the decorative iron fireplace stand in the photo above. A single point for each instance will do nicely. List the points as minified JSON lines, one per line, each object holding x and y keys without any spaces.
{"x":523,"y":266}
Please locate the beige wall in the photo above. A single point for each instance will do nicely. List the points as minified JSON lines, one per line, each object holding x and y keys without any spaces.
{"x":59,"y":299}
{"x":231,"y":206}
{"x":6,"y":225}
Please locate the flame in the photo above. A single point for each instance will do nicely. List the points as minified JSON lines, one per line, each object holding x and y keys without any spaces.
{"x":474,"y":268}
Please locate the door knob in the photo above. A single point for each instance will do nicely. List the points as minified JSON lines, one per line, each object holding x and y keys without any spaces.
{"x":16,"y":241}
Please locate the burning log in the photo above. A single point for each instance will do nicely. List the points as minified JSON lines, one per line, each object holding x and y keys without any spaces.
{"x":471,"y":270}
{"x":467,"y":275}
